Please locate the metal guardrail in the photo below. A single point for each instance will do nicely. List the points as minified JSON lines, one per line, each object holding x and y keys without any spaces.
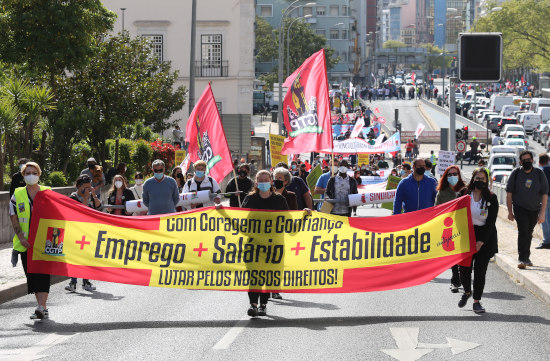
{"x":211,"y":68}
{"x":470,"y":123}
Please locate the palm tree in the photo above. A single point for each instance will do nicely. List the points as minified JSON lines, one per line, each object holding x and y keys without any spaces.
{"x":8,"y":127}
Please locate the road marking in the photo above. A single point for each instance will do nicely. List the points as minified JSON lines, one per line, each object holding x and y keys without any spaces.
{"x":231,"y":335}
{"x":408,"y":348}
{"x":31,"y":353}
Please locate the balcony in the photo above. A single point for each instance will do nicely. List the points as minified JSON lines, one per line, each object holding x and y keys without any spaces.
{"x":211,"y":68}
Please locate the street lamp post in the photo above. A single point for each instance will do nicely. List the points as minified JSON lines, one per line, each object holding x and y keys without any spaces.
{"x":192,"y":56}
{"x":123,"y":10}
{"x":281,"y":63}
{"x":288,"y":42}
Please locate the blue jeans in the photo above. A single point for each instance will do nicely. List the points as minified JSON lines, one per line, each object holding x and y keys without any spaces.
{"x":546,"y":226}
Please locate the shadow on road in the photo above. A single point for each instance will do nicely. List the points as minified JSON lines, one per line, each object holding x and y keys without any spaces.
{"x":503,"y":296}
{"x":302,"y":304}
{"x":319,"y":323}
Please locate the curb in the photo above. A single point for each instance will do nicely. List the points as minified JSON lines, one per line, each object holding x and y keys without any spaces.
{"x":531,"y":281}
{"x":16,"y":289}
{"x":426,"y":117}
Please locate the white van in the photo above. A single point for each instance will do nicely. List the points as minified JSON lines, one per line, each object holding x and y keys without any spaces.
{"x":537,"y":103}
{"x":498,"y":101}
{"x":544,"y":114}
{"x":529,"y":121}
{"x":508,"y":110}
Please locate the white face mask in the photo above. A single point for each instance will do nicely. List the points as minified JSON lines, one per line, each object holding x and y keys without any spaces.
{"x":335,"y":169}
{"x":118,"y":184}
{"x":343,"y":170}
{"x":139,"y":181}
{"x":31,"y":179}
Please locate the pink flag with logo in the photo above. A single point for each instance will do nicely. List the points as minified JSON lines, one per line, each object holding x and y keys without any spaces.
{"x":206,"y":137}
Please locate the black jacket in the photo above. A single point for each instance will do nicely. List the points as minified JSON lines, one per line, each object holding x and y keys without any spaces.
{"x":488,"y":233}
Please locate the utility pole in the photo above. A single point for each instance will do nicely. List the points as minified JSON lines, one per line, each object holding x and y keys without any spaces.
{"x":452,"y":113}
{"x":192,"y":56}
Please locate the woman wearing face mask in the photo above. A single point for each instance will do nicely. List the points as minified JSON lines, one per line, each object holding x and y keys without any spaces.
{"x":450,"y":185}
{"x":178,"y":176}
{"x":137,"y":191}
{"x":262,"y":197}
{"x":484,"y":209}
{"x":21,"y":207}
{"x":84,"y":194}
{"x":119,"y":194}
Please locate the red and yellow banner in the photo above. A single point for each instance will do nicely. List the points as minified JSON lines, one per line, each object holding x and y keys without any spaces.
{"x":240,"y":250}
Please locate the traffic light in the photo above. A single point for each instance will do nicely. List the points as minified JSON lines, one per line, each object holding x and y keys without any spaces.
{"x":465,"y":133}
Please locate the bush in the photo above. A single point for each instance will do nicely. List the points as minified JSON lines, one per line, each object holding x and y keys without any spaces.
{"x":79,"y":155}
{"x":143,"y":155}
{"x":56,"y":179}
{"x":164,"y":152}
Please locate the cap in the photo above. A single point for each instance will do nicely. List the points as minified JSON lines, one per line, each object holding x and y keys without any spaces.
{"x":91,"y":160}
{"x":474,"y":138}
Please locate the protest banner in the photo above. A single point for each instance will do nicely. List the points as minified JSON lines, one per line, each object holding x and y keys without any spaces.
{"x":275,"y":148}
{"x":444,"y":159}
{"x":359,"y":145}
{"x":242,"y":249}
{"x":392,"y":183}
{"x":419,"y":129}
{"x":312,"y":178}
{"x":179,"y":156}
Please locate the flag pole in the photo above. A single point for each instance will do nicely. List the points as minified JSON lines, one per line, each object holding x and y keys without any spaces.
{"x":237,"y":187}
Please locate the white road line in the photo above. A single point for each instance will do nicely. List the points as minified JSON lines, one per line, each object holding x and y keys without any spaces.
{"x":231,"y":335}
{"x":32,"y":352}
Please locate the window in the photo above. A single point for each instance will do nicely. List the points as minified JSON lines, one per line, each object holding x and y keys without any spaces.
{"x":321,"y":10}
{"x":211,"y":63}
{"x":266,"y":11}
{"x":344,"y":33}
{"x":156,"y":45}
{"x":308,"y":10}
{"x":334,"y":10}
{"x":321,"y":32}
{"x":334,"y":33}
{"x":344,"y":56}
{"x":345,"y":10}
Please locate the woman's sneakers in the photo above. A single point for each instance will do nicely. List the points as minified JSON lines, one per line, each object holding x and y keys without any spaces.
{"x":464,"y":299}
{"x":454,"y":288}
{"x":253,"y":311}
{"x":88,"y":286}
{"x":478,"y":308}
{"x":40,"y":314}
{"x":71,"y":287}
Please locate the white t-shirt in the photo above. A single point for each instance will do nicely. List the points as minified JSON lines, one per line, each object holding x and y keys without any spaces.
{"x":479,"y":215}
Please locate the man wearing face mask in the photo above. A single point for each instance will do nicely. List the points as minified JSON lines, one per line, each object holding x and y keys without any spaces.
{"x":300,"y":188}
{"x":526,"y":198}
{"x":160,"y":193}
{"x":339,"y":187}
{"x":96,"y":175}
{"x":417,"y":191}
{"x":17,"y":179}
{"x":202,"y":182}
{"x":244,"y":183}
{"x":322,"y":182}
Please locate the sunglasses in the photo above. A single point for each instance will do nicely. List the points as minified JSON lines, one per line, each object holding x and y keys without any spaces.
{"x":139,"y":177}
{"x":158,"y":170}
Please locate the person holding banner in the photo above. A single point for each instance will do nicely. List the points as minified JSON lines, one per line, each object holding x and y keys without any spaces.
{"x":415,"y":192}
{"x":484,"y":210}
{"x":160,"y":193}
{"x":339,"y":187}
{"x":263,"y":197}
{"x":244,"y":184}
{"x":21,"y":207}
{"x":449,"y":185}
{"x":119,"y":194}
{"x":202,"y":182}
{"x":85,"y":195}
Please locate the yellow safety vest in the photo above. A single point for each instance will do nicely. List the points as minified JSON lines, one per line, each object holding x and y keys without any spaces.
{"x":23,"y":209}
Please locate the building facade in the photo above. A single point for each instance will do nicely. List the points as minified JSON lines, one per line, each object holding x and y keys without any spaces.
{"x":224,"y":51}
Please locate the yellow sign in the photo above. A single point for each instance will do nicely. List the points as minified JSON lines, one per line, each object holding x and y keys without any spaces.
{"x":362,"y":158}
{"x":275,"y":147}
{"x":180,"y":156}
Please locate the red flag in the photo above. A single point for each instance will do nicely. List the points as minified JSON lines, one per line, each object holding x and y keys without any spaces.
{"x":206,"y":137}
{"x":381,"y":120}
{"x":413,"y":77}
{"x":376,"y":110}
{"x":308,"y":166}
{"x":306,"y":108}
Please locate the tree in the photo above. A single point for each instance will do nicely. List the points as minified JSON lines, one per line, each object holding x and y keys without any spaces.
{"x":8,"y":126}
{"x":50,"y":36}
{"x":393,"y":44}
{"x":303,"y":43}
{"x":525,"y":31}
{"x":435,"y":58}
{"x":124,"y":84}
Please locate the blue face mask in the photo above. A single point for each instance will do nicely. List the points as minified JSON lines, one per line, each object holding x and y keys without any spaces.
{"x":159,"y":175}
{"x":264,"y":186}
{"x":453,"y":180}
{"x":199,"y":173}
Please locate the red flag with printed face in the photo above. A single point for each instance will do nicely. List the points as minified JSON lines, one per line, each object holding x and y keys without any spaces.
{"x":306,"y":108}
{"x":206,"y":137}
